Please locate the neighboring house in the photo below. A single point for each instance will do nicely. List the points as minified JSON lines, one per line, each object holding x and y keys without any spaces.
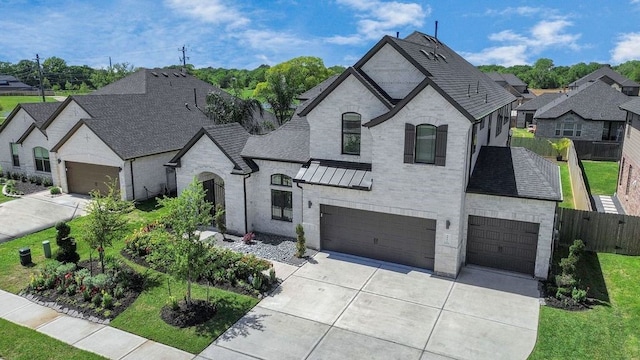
{"x":611,"y":78}
{"x":628,"y":191}
{"x":590,"y":112}
{"x":514,"y":85}
{"x":400,"y":158}
{"x":126,"y":131}
{"x":10,"y":84}
{"x":526,"y":111}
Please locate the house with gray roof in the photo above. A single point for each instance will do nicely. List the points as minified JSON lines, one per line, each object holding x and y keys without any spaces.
{"x":514,"y":85}
{"x":126,"y":131}
{"x":525,"y":112}
{"x":11,"y":84}
{"x":611,"y":78}
{"x":628,"y":191}
{"x":591,"y":112}
{"x":401,"y":158}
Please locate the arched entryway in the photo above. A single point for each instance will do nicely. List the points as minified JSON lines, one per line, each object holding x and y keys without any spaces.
{"x":214,"y":188}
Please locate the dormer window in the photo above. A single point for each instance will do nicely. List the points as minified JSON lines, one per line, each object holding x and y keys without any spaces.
{"x":351,"y":127}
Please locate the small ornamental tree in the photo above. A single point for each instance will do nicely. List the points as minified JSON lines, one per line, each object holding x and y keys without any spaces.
{"x":106,"y":219}
{"x":66,"y":244}
{"x":220,"y":220}
{"x":185,"y":256}
{"x":301,"y":246}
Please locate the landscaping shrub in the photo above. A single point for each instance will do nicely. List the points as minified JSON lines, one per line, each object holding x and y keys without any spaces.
{"x":66,"y":245}
{"x":144,"y":240}
{"x":219,"y":219}
{"x":47,"y":181}
{"x":301,"y":246}
{"x":54,"y":190}
{"x":567,"y":284}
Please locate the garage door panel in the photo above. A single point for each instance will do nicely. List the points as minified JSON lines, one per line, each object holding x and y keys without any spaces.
{"x":504,"y":244}
{"x":82,"y":178}
{"x":387,"y":237}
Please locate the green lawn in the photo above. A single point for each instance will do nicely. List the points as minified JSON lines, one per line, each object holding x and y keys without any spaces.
{"x":522,"y":133}
{"x":608,"y":331}
{"x":602,"y":176}
{"x":567,"y":192}
{"x":4,"y":198}
{"x":18,"y":342}
{"x":143,"y":317}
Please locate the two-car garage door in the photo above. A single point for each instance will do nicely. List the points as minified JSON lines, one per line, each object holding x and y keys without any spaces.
{"x":399,"y":239}
{"x":503,"y":244}
{"x":82,"y":178}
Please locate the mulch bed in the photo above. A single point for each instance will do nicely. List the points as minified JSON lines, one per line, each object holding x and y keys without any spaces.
{"x":77,"y":307}
{"x":548,"y":292}
{"x":29,"y":188}
{"x":200,"y":311}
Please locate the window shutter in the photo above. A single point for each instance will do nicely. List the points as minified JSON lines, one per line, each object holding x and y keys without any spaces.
{"x":409,"y":142}
{"x":441,"y":145}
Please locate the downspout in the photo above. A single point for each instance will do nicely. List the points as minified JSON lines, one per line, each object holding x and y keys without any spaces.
{"x":301,"y":202}
{"x":133,"y":188}
{"x":244,"y":183}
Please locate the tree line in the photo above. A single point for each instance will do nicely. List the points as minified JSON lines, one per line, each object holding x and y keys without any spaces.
{"x":543,"y":74}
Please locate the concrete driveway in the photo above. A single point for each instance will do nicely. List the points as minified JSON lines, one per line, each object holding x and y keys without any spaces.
{"x":343,"y":307}
{"x":38,"y":211}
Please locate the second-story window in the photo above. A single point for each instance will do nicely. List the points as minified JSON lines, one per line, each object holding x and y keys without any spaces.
{"x":351,"y":133}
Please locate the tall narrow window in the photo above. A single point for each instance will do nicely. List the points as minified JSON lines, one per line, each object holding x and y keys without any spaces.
{"x":15,"y":157}
{"x":41,"y":156}
{"x":351,"y":133}
{"x":281,"y":200}
{"x":425,"y":144}
{"x":629,"y":177}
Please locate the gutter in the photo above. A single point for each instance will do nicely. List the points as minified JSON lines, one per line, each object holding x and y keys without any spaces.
{"x":133,"y":187}
{"x":301,"y":201}
{"x":244,"y":189}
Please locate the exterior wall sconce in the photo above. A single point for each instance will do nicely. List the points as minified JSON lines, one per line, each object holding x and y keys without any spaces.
{"x":59,"y":160}
{"x":310,"y":203}
{"x":448,"y":224}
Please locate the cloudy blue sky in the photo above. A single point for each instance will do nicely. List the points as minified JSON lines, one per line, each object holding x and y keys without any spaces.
{"x":245,"y":34}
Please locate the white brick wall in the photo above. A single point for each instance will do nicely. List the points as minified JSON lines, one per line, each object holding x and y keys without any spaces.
{"x":421,"y":190}
{"x":326,"y":121}
{"x":393,"y":72}
{"x":205,"y":157}
{"x":529,"y":210}
{"x":66,"y":119}
{"x":11,"y":133}
{"x":148,"y":172}
{"x":27,"y":160}
{"x":259,"y":198}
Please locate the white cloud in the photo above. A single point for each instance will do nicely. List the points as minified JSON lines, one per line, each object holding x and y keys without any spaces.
{"x":627,"y":47}
{"x":518,"y":48}
{"x":216,"y":12}
{"x":378,"y":18}
{"x":520,"y":11}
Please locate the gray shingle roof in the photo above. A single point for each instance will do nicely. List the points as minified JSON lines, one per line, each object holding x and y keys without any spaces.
{"x":472,"y":90}
{"x":592,"y":101}
{"x":632,"y":105}
{"x":604,"y":71}
{"x":539,"y":101}
{"x":40,"y":112}
{"x":11,"y":83}
{"x":231,"y":138}
{"x":515,"y":172}
{"x":508,"y":78}
{"x":290,"y":142}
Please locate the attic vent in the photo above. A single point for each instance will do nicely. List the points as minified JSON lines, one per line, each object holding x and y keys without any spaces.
{"x":425,"y":54}
{"x":442,"y":57}
{"x":165,"y":74}
{"x":154,"y":73}
{"x":183,"y":74}
{"x":176,"y":75}
{"x":429,"y":38}
{"x":435,"y":57}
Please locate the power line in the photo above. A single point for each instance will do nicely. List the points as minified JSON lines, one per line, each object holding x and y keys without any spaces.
{"x":40,"y":78}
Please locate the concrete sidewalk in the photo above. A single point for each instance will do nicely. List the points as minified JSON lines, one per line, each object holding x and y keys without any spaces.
{"x":39,"y":211}
{"x":100,"y":339}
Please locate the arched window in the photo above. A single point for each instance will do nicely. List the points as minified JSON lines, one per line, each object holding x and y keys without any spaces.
{"x":351,"y":133}
{"x":426,"y":144}
{"x":41,"y":157}
{"x":281,"y":199}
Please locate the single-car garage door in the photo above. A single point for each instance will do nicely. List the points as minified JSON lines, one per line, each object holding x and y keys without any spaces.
{"x":83,"y":178}
{"x":503,"y":244}
{"x":399,"y":239}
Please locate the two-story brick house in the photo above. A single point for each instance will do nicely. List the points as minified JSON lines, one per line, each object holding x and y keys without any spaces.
{"x":400,"y":158}
{"x":628,"y":192}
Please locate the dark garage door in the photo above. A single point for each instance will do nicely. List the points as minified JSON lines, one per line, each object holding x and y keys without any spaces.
{"x":503,"y":244}
{"x":82,"y":178}
{"x":399,"y":239}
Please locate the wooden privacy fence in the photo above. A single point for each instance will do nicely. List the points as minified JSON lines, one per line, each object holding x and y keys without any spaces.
{"x":610,"y":233}
{"x":581,"y":198}
{"x":598,"y":150}
{"x":539,"y":146}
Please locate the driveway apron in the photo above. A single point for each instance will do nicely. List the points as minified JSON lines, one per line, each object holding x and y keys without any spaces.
{"x":338,"y":306}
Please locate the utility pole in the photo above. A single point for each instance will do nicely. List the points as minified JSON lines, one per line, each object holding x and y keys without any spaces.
{"x":110,"y":68}
{"x":184,"y":58}
{"x":40,"y":78}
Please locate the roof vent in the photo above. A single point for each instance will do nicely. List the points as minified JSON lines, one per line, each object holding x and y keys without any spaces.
{"x":435,"y":56}
{"x":176,"y":75}
{"x":165,"y":74}
{"x":183,"y":74}
{"x":154,"y":73}
{"x":425,"y":54}
{"x":442,"y":57}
